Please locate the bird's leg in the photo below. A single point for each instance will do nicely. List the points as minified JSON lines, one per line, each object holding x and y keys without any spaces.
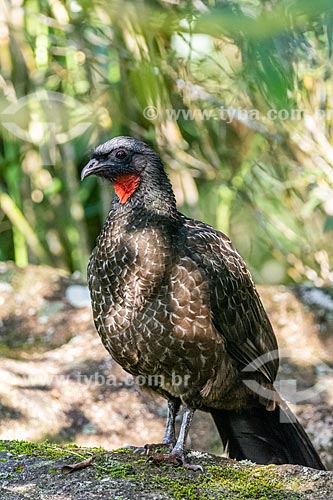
{"x":169,"y":439}
{"x":177,"y":454}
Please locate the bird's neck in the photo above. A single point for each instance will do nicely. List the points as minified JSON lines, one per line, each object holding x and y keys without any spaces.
{"x":156,"y":193}
{"x":150,"y":212}
{"x":125,"y":185}
{"x":149,"y":196}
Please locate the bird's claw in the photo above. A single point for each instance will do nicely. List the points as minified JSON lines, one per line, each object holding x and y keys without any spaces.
{"x":141,"y":450}
{"x":136,"y":449}
{"x":148,"y":449}
{"x":175,"y":459}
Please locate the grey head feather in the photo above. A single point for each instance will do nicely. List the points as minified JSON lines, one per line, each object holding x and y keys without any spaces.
{"x":129,"y":143}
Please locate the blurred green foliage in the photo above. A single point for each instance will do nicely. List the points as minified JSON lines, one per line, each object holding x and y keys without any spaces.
{"x":240,"y":107}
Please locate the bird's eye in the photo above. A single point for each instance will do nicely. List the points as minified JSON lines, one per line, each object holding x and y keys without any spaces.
{"x":121,"y":154}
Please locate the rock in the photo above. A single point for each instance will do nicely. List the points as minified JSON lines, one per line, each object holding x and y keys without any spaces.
{"x":78,"y":296}
{"x":33,"y":471}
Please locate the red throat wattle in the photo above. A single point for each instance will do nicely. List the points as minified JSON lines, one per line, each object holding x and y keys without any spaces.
{"x":125,"y":185}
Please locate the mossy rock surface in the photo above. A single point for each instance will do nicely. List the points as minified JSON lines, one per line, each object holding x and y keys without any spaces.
{"x":34,"y":471}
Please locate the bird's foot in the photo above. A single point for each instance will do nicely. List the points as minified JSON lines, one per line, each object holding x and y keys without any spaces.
{"x":148,"y":449}
{"x":175,"y":459}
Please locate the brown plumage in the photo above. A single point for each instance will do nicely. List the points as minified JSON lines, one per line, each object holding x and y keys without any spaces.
{"x":173,"y":301}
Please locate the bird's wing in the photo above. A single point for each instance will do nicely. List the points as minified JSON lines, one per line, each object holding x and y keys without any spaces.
{"x":237,"y":311}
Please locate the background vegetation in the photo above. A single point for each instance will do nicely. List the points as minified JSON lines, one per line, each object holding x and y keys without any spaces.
{"x":254,"y":157}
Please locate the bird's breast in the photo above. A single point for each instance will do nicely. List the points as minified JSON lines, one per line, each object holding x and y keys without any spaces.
{"x":152,"y":310}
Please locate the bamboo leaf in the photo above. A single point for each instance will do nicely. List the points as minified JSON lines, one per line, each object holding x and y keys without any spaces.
{"x":18,"y":220}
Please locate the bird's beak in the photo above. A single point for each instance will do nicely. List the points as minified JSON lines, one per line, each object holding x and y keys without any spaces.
{"x":93,"y":167}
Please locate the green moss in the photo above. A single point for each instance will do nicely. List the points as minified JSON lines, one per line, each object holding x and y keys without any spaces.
{"x":121,"y":471}
{"x":102,"y":463}
{"x":245,"y":483}
{"x":107,"y":465}
{"x":139,"y":461}
{"x":229,"y":482}
{"x":178,"y":489}
{"x":46,"y":449}
{"x":26,"y":448}
{"x":123,"y":450}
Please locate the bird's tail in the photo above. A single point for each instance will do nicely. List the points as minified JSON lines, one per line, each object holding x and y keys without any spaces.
{"x":266,"y":437}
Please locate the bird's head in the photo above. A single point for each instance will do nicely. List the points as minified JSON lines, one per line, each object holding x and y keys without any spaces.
{"x":124,"y":161}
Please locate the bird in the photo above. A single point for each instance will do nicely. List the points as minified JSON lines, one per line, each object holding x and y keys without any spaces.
{"x":174,"y":303}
